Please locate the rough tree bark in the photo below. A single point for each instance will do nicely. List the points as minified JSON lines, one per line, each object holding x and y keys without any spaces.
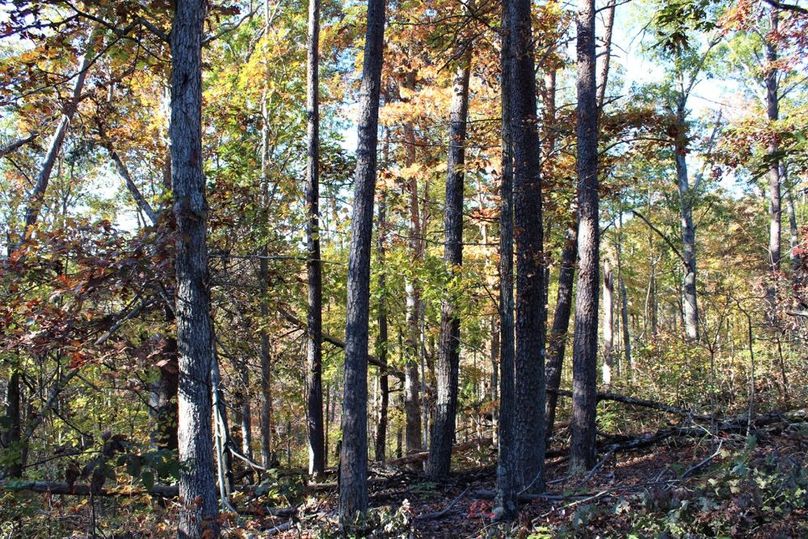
{"x":314,"y":331}
{"x":529,"y":386}
{"x":506,"y":469}
{"x":353,"y":492}
{"x":443,"y":430}
{"x":198,"y":510}
{"x":584,"y":363}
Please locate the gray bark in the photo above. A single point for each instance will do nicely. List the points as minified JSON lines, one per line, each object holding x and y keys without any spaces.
{"x":506,"y":469}
{"x":412,"y":382}
{"x":584,"y":363}
{"x":621,"y":283}
{"x":198,"y":511}
{"x":528,"y":234}
{"x":690,"y":311}
{"x":314,"y":333}
{"x":353,"y":493}
{"x":443,"y":429}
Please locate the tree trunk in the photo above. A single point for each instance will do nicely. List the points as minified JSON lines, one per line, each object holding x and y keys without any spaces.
{"x":506,"y":469}
{"x":603,"y":76}
{"x":585,"y":347}
{"x":623,"y":299}
{"x":561,"y":321}
{"x":443,"y":430}
{"x":382,"y":341}
{"x":772,"y":114}
{"x":267,"y":459}
{"x":793,"y":230}
{"x":198,"y":511}
{"x":353,"y":492}
{"x":529,"y":386}
{"x":314,"y":332}
{"x":412,"y":383}
{"x":690,"y":312}
{"x":608,"y":323}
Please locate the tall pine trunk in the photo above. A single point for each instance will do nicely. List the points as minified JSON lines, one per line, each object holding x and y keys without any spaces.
{"x":585,"y":347}
{"x":353,"y":492}
{"x":198,"y":511}
{"x":314,"y":326}
{"x":529,"y":386}
{"x":506,"y":467}
{"x":443,"y":430}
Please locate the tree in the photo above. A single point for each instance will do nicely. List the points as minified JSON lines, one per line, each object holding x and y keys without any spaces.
{"x":528,"y":235}
{"x":314,"y":355}
{"x":353,"y":494}
{"x":199,"y":514}
{"x":506,"y":464}
{"x":443,"y":429}
{"x":584,"y":362}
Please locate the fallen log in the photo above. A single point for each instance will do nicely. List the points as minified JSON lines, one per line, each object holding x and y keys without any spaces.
{"x":59,"y":487}
{"x":421,"y":456}
{"x":643,"y":403}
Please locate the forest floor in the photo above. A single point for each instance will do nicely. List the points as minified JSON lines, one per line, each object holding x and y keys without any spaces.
{"x":730,"y":486}
{"x":713,"y":485}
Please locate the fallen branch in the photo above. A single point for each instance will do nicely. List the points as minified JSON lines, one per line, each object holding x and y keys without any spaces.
{"x":421,"y":456}
{"x":643,"y":403}
{"x":440,"y":514}
{"x":59,"y":487}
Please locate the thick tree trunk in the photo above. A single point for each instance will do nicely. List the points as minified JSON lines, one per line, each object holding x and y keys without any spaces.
{"x":353,"y":492}
{"x":772,"y":114}
{"x":382,"y":341}
{"x":690,"y":310}
{"x":585,"y":347}
{"x":314,"y":332}
{"x":443,"y":430}
{"x":608,"y":323}
{"x":198,"y":511}
{"x":530,"y":311}
{"x":506,"y":466}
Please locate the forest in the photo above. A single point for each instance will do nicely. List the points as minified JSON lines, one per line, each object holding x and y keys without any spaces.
{"x":403,"y":268}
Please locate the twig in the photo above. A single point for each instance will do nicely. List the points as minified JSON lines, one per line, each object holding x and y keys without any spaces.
{"x":440,"y":514}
